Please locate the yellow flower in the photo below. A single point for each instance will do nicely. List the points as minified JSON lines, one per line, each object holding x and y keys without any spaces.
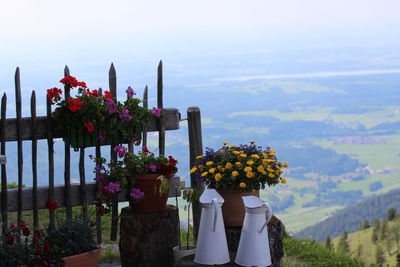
{"x":232,"y":146}
{"x":224,"y":143}
{"x":200,"y":167}
{"x":250,"y":162}
{"x":270,"y":170}
{"x":223,"y":169}
{"x":285,"y":165}
{"x":252,"y":142}
{"x":250,"y":174}
{"x":247,"y":169}
{"x":260,"y":168}
{"x":280,"y":164}
{"x":236,"y":152}
{"x":265,"y":161}
{"x":208,"y":163}
{"x":242,"y":185}
{"x":255,"y":156}
{"x":192,"y":170}
{"x":283,"y":181}
{"x":264,"y":172}
{"x":217,"y":177}
{"x":237,"y":163}
{"x":272,"y":154}
{"x":199,"y":157}
{"x":242,"y":155}
{"x":280,"y":171}
{"x":219,"y":167}
{"x":228,"y":166}
{"x":271,"y":175}
{"x":204,"y":174}
{"x":212,"y":170}
{"x":235,"y":173}
{"x":264,"y":154}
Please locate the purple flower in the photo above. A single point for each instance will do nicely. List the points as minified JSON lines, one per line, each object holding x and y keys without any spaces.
{"x":100,"y":178}
{"x":136,"y":194}
{"x":121,"y":150}
{"x":113,"y":187}
{"x":125,"y":115}
{"x":153,"y":168}
{"x":91,"y":156}
{"x":99,"y":168}
{"x":157,"y":112}
{"x":101,"y":138}
{"x":130,"y":91}
{"x":112,"y":106}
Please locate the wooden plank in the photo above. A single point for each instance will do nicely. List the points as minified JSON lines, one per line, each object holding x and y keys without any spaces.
{"x":171,"y":119}
{"x":82,"y":181}
{"x":43,"y":195}
{"x":18,"y":109}
{"x":98,"y":189}
{"x":145,"y":105}
{"x":50,"y":151}
{"x":67,"y":160}
{"x":34,"y":162}
{"x":130,"y":144}
{"x":112,"y":82}
{"x":195,"y":149}
{"x":4,"y":191}
{"x":161,"y":123}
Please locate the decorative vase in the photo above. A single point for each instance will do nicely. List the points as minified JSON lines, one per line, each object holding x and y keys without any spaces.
{"x":233,"y":210}
{"x":149,"y":184}
{"x":90,"y":258}
{"x":183,"y":252}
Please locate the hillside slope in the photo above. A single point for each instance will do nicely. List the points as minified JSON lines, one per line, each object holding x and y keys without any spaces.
{"x":349,"y":219}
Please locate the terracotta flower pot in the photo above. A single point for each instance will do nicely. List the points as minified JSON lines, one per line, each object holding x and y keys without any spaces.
{"x":152,"y":201}
{"x":86,"y":259}
{"x":233,"y":209}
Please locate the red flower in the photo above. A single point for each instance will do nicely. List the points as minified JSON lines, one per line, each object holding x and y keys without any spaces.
{"x":12,"y":227}
{"x":69,"y":80}
{"x":89,"y":127}
{"x":145,"y":150}
{"x":107,"y":94}
{"x":81,"y":84}
{"x":21,"y":224}
{"x":92,"y":93}
{"x":26,"y":231}
{"x":51,"y":205}
{"x":36,"y":237}
{"x":104,"y":190}
{"x":100,"y":210}
{"x":75,"y":104}
{"x":54,"y":93}
{"x":172,"y":161}
{"x":38,"y":251}
{"x":10,"y":240}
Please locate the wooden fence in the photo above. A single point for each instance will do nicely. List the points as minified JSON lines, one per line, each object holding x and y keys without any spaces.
{"x":35,"y":128}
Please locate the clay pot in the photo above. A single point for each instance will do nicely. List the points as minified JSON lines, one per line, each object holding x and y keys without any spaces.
{"x":152,"y":201}
{"x":233,"y":209}
{"x":87,"y":259}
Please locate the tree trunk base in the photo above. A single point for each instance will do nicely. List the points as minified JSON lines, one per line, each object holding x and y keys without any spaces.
{"x":147,"y":239}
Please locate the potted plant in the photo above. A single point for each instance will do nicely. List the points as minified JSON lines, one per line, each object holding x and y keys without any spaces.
{"x":180,"y":251}
{"x":71,"y":242}
{"x":91,"y":118}
{"x":145,"y":178}
{"x":236,"y":171}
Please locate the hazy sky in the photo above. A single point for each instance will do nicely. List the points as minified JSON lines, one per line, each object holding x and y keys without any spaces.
{"x":46,"y":22}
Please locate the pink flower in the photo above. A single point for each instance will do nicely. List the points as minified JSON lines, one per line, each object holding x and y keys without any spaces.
{"x":113,"y":187}
{"x":157,"y":112}
{"x":136,"y":194}
{"x":112,"y":106}
{"x":101,"y":138}
{"x":121,"y":151}
{"x":153,"y":168}
{"x":125,"y":115}
{"x":130,"y":91}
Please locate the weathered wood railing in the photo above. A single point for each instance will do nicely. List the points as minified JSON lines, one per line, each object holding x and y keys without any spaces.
{"x":36,"y":128}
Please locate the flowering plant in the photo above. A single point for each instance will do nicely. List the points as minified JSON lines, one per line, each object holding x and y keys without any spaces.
{"x":102,"y":118}
{"x":243,"y":167}
{"x":115,"y":177}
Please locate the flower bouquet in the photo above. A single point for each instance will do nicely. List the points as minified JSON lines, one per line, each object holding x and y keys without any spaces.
{"x":91,"y":119}
{"x":144,"y":177}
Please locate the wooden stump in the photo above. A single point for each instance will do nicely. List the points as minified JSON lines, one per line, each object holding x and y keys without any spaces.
{"x":147,"y":239}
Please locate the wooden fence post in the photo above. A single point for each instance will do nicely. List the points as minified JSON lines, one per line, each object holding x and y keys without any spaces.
{"x":195,"y":149}
{"x":4,"y":192}
{"x":34,"y":162}
{"x":19,"y":141}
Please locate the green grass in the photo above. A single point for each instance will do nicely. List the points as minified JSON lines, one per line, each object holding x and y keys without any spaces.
{"x":310,"y":253}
